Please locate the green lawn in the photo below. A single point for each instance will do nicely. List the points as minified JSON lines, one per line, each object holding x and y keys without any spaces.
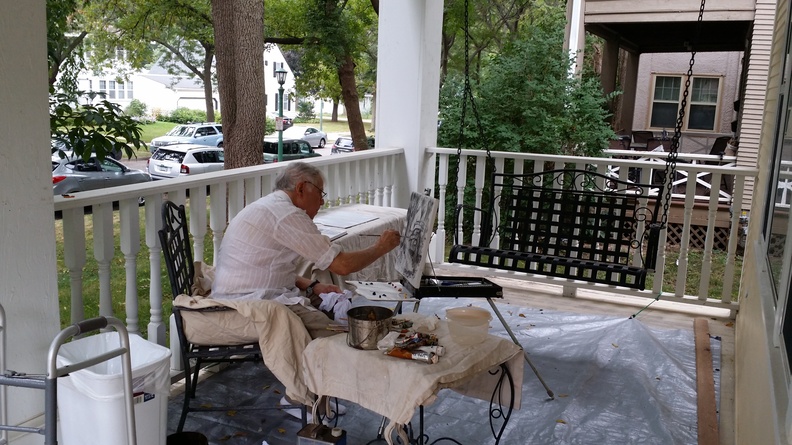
{"x":150,"y":131}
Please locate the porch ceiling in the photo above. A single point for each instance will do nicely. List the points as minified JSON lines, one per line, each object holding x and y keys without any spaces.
{"x":670,"y":36}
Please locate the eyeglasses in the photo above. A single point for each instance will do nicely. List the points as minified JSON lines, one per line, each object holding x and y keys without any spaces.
{"x":324,"y":194}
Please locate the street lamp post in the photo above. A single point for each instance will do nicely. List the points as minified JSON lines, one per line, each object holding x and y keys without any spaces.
{"x":280,"y":74}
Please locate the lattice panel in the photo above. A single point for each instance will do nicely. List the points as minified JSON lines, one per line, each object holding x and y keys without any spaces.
{"x":698,"y":236}
{"x":776,"y":246}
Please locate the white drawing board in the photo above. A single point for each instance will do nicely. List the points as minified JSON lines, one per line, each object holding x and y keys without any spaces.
{"x":414,"y":246}
{"x":343,"y":220}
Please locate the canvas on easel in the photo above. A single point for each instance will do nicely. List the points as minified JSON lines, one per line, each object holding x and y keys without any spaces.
{"x":414,"y":246}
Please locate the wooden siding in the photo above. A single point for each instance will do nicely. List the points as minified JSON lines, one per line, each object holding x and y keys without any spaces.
{"x":609,"y":11}
{"x":756,"y":98}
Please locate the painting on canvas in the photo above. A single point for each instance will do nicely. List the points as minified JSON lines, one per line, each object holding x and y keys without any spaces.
{"x":414,"y":245}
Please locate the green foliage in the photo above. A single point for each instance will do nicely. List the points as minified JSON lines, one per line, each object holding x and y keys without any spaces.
{"x":184,"y":115}
{"x":524,"y":102}
{"x":305,"y":111}
{"x":65,"y":34}
{"x":100,"y":128}
{"x":527,"y":102}
{"x":136,"y":108}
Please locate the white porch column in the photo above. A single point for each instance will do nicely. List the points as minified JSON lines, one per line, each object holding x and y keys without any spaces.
{"x":408,"y":83}
{"x":28,"y":274}
{"x":575,"y":34}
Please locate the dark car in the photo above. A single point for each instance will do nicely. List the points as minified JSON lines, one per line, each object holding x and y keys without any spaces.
{"x":70,"y":174}
{"x":292,"y":149}
{"x":344,"y":144}
{"x":287,"y":121}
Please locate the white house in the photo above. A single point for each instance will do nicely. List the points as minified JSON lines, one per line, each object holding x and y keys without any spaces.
{"x":162,"y":92}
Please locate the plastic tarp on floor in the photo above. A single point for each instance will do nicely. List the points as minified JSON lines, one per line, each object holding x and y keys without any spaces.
{"x":615,"y":379}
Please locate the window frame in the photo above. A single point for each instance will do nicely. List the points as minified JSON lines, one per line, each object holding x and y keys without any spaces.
{"x":690,"y":102}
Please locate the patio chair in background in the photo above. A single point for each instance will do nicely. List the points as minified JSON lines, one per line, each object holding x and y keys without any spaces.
{"x":719,"y":149}
{"x":653,"y":143}
{"x":177,"y":250}
{"x":640,"y":139}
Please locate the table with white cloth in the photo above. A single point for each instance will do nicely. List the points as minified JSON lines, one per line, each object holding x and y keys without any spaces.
{"x":395,"y":387}
{"x":360,"y":236}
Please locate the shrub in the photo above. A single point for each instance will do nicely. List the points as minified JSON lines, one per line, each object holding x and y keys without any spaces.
{"x":305,"y":111}
{"x":136,"y":108}
{"x":184,"y":115}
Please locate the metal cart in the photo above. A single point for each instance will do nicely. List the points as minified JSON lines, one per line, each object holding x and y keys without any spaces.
{"x":49,"y":384}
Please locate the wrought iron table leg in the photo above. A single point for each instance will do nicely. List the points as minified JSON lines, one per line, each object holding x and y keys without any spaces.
{"x":495,"y":411}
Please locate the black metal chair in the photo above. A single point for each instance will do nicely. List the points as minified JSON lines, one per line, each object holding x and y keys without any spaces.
{"x":640,"y":139}
{"x":176,"y":248}
{"x":719,"y":149}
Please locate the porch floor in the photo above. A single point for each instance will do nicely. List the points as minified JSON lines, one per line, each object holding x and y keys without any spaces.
{"x":465,"y":419}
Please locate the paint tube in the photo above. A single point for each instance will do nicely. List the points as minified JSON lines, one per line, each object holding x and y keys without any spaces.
{"x":421,"y":356}
{"x":437,"y":349}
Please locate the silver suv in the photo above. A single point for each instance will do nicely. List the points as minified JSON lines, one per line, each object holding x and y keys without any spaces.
{"x":205,"y":133}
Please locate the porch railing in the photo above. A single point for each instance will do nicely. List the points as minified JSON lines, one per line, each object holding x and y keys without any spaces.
{"x":214,"y":198}
{"x":368,"y":177}
{"x":692,"y":188}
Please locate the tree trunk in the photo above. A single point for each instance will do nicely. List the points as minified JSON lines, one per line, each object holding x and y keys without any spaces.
{"x":334,"y":114}
{"x":346,"y":77}
{"x":207,"y":84}
{"x":239,"y":44}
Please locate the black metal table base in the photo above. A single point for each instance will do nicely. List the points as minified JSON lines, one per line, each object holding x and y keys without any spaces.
{"x":500,"y":410}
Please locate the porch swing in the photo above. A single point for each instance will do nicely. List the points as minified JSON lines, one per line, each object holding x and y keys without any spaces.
{"x":568,"y":223}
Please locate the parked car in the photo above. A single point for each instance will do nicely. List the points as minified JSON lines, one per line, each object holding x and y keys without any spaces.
{"x":312,"y":135}
{"x":292,"y":149}
{"x":184,"y":160}
{"x":343,"y":144}
{"x":59,"y":145}
{"x":72,"y":174}
{"x":287,"y":121}
{"x":205,"y":133}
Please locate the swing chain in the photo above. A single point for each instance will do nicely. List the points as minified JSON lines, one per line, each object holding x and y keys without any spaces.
{"x":670,"y":167}
{"x":468,"y":93}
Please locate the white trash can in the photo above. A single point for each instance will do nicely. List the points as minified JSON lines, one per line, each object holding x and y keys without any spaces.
{"x":91,"y":401}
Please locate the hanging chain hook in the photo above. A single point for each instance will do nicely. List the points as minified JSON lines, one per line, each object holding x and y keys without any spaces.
{"x":670,"y":168}
{"x":467,"y":94}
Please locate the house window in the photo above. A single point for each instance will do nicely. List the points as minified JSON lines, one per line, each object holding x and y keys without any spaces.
{"x":116,"y":90}
{"x":702,"y":106}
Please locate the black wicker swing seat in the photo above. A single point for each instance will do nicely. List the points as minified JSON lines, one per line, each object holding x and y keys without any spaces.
{"x":572,"y":224}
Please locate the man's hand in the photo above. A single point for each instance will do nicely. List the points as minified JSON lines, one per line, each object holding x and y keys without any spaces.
{"x":389,"y":239}
{"x":321,"y":288}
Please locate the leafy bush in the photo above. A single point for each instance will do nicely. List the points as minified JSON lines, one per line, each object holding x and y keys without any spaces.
{"x":305,"y":111}
{"x":527,"y":102}
{"x":100,"y":128}
{"x":184,"y":115}
{"x":136,"y":108}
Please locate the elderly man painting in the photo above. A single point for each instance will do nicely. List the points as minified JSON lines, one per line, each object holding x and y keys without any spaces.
{"x":264,"y":243}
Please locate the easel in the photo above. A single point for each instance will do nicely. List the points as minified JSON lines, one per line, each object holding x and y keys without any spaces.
{"x":468,"y":287}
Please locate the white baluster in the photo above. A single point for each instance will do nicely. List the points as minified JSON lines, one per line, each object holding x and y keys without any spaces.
{"x":130,"y":247}
{"x":74,"y":257}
